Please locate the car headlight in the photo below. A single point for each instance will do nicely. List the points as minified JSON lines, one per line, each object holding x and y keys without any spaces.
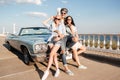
{"x":37,"y":47}
{"x":40,"y":48}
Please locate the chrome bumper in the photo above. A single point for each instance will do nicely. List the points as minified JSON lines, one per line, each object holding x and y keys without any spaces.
{"x":39,"y":57}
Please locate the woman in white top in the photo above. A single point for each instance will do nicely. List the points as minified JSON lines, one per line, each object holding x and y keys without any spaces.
{"x":73,"y":40}
{"x":55,"y":42}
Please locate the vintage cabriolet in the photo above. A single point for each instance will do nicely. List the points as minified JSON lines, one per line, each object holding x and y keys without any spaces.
{"x":31,"y":41}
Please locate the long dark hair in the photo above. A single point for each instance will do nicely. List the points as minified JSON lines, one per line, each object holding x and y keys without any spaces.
{"x":72,"y":21}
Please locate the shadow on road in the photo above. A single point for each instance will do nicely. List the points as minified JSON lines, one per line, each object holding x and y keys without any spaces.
{"x":40,"y":72}
{"x":15,"y":52}
{"x":103,"y":59}
{"x":52,"y":70}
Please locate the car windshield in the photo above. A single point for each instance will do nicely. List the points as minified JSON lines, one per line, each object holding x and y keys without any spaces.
{"x":34,"y":31}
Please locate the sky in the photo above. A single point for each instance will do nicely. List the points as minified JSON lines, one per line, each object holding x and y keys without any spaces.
{"x":90,"y":16}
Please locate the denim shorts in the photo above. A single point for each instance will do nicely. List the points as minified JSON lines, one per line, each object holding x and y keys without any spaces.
{"x":56,"y":43}
{"x":70,"y":42}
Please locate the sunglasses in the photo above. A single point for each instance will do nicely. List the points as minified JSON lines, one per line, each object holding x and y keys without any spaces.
{"x":57,"y":19}
{"x":69,"y":19}
{"x":63,"y":13}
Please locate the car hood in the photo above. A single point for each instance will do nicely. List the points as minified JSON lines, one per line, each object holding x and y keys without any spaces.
{"x":35,"y":38}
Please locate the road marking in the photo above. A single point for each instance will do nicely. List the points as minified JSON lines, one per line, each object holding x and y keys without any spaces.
{"x":8,"y":58}
{"x":17,"y":73}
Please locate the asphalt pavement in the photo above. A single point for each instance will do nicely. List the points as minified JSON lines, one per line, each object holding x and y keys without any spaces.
{"x":12,"y":67}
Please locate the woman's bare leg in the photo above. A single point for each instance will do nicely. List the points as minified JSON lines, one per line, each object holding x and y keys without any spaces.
{"x":76,"y":57}
{"x":50,"y":46}
{"x":56,"y":64}
{"x":55,"y":60}
{"x":52,"y":53}
{"x":81,"y":50}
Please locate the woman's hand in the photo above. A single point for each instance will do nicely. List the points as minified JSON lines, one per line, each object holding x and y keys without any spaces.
{"x":52,"y":17}
{"x":75,"y":39}
{"x":61,"y":36}
{"x":56,"y":38}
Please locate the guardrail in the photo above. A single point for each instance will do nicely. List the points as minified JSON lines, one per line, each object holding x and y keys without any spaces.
{"x":101,"y":42}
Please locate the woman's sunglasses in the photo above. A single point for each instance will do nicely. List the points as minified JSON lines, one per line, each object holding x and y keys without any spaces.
{"x":57,"y":19}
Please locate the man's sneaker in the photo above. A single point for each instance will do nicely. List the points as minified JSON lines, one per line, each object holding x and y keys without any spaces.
{"x":46,"y":73}
{"x":57,"y":73}
{"x":82,"y":67}
{"x":69,"y":72}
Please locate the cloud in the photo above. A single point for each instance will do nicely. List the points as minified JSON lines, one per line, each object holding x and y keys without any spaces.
{"x":5,"y":1}
{"x":37,"y":2}
{"x":65,"y":2}
{"x":37,"y":14}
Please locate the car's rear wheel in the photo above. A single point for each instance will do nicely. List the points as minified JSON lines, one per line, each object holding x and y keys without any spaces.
{"x":27,"y":57}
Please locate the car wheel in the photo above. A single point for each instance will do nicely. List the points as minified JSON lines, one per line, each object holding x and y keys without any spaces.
{"x":26,"y":56}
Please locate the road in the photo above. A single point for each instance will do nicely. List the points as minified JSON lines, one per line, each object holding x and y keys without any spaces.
{"x":12,"y":67}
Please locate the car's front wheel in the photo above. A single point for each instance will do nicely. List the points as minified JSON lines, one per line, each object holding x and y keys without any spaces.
{"x":27,"y":57}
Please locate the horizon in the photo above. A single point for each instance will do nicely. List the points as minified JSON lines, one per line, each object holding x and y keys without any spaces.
{"x":90,"y":16}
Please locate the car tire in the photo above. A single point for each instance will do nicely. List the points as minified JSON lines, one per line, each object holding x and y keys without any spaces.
{"x":27,"y":58}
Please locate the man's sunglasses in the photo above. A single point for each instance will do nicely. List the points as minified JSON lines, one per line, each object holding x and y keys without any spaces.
{"x":63,"y":13}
